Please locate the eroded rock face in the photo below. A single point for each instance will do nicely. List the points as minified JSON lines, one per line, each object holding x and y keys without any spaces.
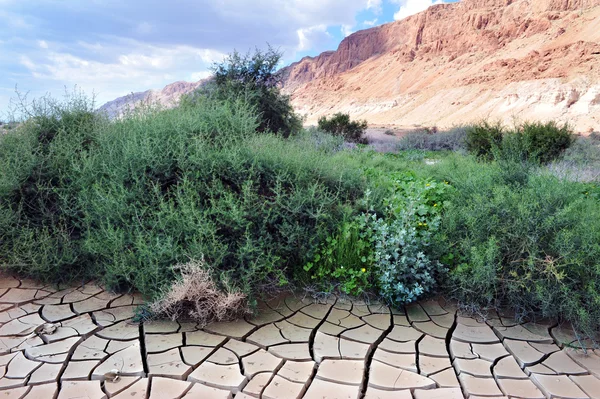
{"x":462,"y":61}
{"x":293,"y":348}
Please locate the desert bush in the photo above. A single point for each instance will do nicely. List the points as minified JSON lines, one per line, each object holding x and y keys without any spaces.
{"x":195,"y":296}
{"x":256,"y":79}
{"x":531,"y":247}
{"x":319,"y":140}
{"x":451,"y":140}
{"x":547,"y":141}
{"x":128,"y":199}
{"x":254,"y":207}
{"x":340,"y":125}
{"x":482,"y":137}
{"x":535,"y":142}
{"x":37,"y":198}
{"x":530,"y":142}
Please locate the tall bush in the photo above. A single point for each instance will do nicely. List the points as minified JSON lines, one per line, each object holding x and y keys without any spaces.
{"x":254,"y":78}
{"x":340,"y":124}
{"x":453,"y":139}
{"x":531,"y":247}
{"x":482,"y":137}
{"x":38,"y":207}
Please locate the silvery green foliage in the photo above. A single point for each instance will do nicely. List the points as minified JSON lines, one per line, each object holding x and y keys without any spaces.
{"x":320,"y":140}
{"x":400,"y":241}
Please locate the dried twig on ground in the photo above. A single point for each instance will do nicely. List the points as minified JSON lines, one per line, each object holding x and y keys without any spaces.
{"x":196,"y":296}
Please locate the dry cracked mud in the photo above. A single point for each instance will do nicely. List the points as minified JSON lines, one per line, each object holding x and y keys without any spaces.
{"x":81,"y":342}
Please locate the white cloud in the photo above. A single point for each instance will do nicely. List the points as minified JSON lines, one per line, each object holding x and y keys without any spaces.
{"x":27,"y":63}
{"x":305,"y":17}
{"x":210,"y":56}
{"x":143,"y":67}
{"x":347,"y":30}
{"x":374,"y":5}
{"x":411,"y":7}
{"x":15,"y":21}
{"x":94,"y":47}
{"x":308,"y":36}
{"x":135,"y":45}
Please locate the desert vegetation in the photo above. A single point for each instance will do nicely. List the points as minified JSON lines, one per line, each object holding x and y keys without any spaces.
{"x":340,"y":124}
{"x":205,"y":207}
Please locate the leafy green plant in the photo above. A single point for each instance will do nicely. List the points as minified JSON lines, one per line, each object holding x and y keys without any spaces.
{"x":536,"y":142}
{"x":340,"y":124}
{"x":401,"y":240}
{"x":546,"y":141}
{"x":127,"y":200}
{"x":345,"y":258}
{"x":37,"y":198}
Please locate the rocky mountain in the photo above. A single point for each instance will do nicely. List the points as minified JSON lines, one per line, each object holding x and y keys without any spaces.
{"x":459,"y":62}
{"x":169,"y":96}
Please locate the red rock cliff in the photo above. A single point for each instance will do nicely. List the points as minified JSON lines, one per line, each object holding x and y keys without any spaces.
{"x":476,"y":58}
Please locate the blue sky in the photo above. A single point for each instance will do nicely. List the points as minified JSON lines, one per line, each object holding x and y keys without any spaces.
{"x":115,"y":47}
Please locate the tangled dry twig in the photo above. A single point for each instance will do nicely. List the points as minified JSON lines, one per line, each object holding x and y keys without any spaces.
{"x":196,"y":296}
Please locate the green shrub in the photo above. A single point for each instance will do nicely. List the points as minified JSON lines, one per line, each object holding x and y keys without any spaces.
{"x":389,"y":252}
{"x":37,"y":199}
{"x":317,"y":139}
{"x":535,"y":142}
{"x":547,"y":141}
{"x":340,"y":125}
{"x":482,"y":137}
{"x":255,"y":79}
{"x":128,"y":200}
{"x":532,"y":142}
{"x":530,"y":247}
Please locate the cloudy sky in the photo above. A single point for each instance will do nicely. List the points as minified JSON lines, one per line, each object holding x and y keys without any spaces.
{"x":115,"y":47}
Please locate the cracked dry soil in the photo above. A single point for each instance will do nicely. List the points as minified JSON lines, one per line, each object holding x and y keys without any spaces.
{"x":81,"y":343}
